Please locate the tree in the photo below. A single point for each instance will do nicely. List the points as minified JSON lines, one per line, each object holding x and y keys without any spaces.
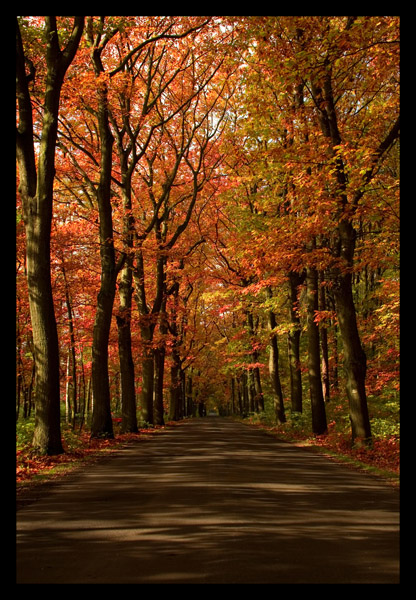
{"x":319,"y":424}
{"x":343,"y":242}
{"x":293,"y":340}
{"x":148,"y":74}
{"x":330,"y":143}
{"x":274,"y":366}
{"x":176,"y":166}
{"x":102,"y":425}
{"x":36,"y":190}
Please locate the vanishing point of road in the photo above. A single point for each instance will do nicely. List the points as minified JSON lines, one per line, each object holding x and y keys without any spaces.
{"x":211,"y":501}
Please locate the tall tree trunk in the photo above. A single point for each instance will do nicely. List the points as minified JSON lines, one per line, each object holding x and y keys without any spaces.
{"x":128,"y":393}
{"x":159,"y":369}
{"x":294,"y":345}
{"x":102,"y":425}
{"x":175,"y":387}
{"x":319,"y":424}
{"x":189,"y":395}
{"x":258,"y":399}
{"x":240,"y":395}
{"x":232,"y":408}
{"x":279,"y":408}
{"x":182,"y":393}
{"x":127,"y":371}
{"x":324,"y":344}
{"x":355,"y":362}
{"x":344,"y":247}
{"x":146,"y":405}
{"x":36,"y":189}
{"x":245,"y":392}
{"x":146,"y":331}
{"x":147,"y":323}
{"x":72,"y":389}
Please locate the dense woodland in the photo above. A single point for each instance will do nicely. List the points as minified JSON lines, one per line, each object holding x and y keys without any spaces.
{"x":207,"y":218}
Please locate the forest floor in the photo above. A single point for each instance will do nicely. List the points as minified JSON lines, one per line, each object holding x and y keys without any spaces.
{"x":211,"y":501}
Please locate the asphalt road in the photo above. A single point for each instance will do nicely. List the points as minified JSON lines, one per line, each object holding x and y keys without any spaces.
{"x":212,"y":501}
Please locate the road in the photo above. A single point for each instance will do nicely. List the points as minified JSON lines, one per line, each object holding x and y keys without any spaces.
{"x":212,"y":501}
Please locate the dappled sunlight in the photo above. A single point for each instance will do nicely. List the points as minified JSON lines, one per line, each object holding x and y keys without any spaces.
{"x":180,"y":510}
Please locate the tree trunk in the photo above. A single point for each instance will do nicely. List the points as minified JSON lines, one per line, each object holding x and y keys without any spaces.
{"x":240,"y":395}
{"x":72,"y":387}
{"x":146,"y":406}
{"x":355,"y":362}
{"x":36,"y":189}
{"x":294,"y":346}
{"x":182,"y":393}
{"x":175,"y":387}
{"x":319,"y":424}
{"x":258,"y":399}
{"x":148,"y":319}
{"x":102,"y":425}
{"x":324,"y":346}
{"x":127,"y":372}
{"x":344,"y":248}
{"x":232,"y":408}
{"x":274,"y":369}
{"x":189,"y":396}
{"x":159,"y":369}
{"x":128,"y":393}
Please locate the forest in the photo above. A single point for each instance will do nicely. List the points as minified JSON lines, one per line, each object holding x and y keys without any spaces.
{"x":207,"y":220}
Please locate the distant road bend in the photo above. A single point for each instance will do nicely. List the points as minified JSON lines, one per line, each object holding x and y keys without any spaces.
{"x":212,"y":501}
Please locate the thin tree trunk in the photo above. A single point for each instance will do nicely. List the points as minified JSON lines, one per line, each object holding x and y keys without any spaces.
{"x":258,"y":399}
{"x":324,"y":345}
{"x":72,"y":388}
{"x":189,"y":396}
{"x":175,"y":387}
{"x":146,"y":407}
{"x":279,"y":408}
{"x":319,"y":424}
{"x":294,"y":346}
{"x":159,"y":369}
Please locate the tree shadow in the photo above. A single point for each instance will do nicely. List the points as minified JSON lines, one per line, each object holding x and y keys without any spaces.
{"x":212,"y":502}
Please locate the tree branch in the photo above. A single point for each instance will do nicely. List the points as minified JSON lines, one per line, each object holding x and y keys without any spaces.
{"x":383,"y":148}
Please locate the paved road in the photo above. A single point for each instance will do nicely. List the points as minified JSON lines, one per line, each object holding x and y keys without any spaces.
{"x":212,"y":501}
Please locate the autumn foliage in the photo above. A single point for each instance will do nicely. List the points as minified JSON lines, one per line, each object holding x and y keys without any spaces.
{"x":224,"y":222}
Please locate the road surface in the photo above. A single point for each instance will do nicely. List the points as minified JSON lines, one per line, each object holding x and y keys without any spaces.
{"x":211,"y":501}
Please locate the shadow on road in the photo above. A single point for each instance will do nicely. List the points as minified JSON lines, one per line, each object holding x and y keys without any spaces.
{"x":212,"y":501}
